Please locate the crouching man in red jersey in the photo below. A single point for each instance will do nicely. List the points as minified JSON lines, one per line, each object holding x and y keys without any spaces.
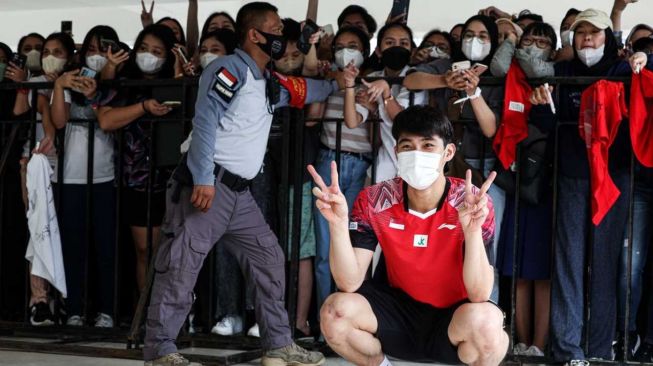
{"x":432,"y":305}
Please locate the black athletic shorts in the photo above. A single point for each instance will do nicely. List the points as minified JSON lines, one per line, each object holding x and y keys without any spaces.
{"x":408,"y":329}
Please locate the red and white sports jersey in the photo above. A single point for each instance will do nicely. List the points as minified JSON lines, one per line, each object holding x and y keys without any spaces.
{"x":424,"y":253}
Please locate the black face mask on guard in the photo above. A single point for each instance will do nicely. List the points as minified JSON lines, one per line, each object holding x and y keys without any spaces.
{"x":275,"y":45}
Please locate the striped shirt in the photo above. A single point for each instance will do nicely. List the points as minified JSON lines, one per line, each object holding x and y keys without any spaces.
{"x":353,"y":139}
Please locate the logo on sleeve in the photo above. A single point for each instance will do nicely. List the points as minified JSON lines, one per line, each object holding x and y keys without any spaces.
{"x":353,"y":225}
{"x":420,"y":241}
{"x":447,"y":226}
{"x":225,"y":84}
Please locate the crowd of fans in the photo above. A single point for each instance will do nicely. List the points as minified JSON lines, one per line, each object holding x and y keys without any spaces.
{"x":550,"y":284}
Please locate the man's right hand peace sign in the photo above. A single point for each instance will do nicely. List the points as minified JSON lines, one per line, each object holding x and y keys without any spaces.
{"x":330,"y":201}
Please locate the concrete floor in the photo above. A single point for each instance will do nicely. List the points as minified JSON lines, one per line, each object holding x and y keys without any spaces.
{"x":11,"y":358}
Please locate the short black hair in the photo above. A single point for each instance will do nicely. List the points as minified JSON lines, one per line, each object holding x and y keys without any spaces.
{"x":252,"y":15}
{"x":357,"y":9}
{"x":644,"y":44}
{"x":446,"y":35}
{"x":225,"y":36}
{"x":66,"y":41}
{"x":207,"y":23}
{"x":98,"y":32}
{"x":542,"y":30}
{"x":526,"y":14}
{"x":24,"y":38}
{"x":423,"y":120}
{"x":387,"y":27}
{"x":358,"y":33}
{"x":292,"y":30}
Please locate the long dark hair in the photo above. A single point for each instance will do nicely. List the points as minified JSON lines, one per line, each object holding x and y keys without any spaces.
{"x":225,"y":36}
{"x":207,"y":22}
{"x":181,"y":29}
{"x":165,"y":35}
{"x":493,"y":32}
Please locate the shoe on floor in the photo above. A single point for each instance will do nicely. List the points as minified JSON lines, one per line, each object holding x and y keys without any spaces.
{"x":75,"y":321}
{"x":644,"y":353}
{"x":103,"y":321}
{"x":172,"y":359}
{"x":578,"y":363}
{"x":41,"y":315}
{"x":519,"y":349}
{"x":229,"y":325}
{"x":533,"y":351}
{"x":634,"y":342}
{"x":291,"y":355}
{"x":254,"y":331}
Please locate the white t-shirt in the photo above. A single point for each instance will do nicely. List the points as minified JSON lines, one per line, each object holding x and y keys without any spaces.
{"x":76,"y":148}
{"x":386,"y":167}
{"x":39,"y":127}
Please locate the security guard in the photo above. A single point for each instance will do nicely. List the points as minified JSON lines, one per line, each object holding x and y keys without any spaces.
{"x":230,"y":130}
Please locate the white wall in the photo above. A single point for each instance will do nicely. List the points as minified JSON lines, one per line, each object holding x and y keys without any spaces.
{"x":44,"y":16}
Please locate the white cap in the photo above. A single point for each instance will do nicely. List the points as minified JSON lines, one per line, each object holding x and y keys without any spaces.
{"x":595,"y":17}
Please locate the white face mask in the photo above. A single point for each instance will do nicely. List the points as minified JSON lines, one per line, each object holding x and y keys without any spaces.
{"x":591,"y":56}
{"x":33,"y":62}
{"x":148,"y":63}
{"x":437,"y":53}
{"x":206,"y":59}
{"x":475,"y":50}
{"x":52,"y":64}
{"x":96,"y":62}
{"x":419,"y":169}
{"x":565,"y":38}
{"x":346,"y":55}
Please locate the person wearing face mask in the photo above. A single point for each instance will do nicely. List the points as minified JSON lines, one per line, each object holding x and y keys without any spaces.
{"x":595,"y":54}
{"x":218,"y":20}
{"x":133,"y":110}
{"x":394,"y":49}
{"x":58,"y":50}
{"x":31,"y":46}
{"x":73,"y":99}
{"x":350,"y":49}
{"x":431,"y":304}
{"x":566,"y":53}
{"x":7,"y":97}
{"x":531,"y":59}
{"x":234,"y":112}
{"x":508,"y":29}
{"x":478,"y":110}
{"x":435,"y":45}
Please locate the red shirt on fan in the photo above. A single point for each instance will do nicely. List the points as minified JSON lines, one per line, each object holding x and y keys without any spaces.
{"x":424,"y":253}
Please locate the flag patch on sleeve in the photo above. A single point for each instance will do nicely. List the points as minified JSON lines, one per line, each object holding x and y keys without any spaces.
{"x":225,"y":84}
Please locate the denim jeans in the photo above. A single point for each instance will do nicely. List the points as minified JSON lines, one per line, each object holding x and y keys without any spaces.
{"x":642,"y":219}
{"x":498,"y":196}
{"x":353,"y":172}
{"x":570,"y":267}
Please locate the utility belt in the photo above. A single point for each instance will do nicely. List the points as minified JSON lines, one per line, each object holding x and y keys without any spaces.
{"x":366,"y":157}
{"x":184,"y":177}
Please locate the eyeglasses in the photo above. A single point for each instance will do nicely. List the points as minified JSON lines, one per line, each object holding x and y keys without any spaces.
{"x":540,"y":43}
{"x":483,"y":37}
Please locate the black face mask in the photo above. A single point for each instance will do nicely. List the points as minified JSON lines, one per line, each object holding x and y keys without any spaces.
{"x":275,"y":45}
{"x":395,"y":58}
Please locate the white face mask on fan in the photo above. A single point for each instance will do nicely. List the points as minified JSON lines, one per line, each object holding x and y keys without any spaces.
{"x":148,"y":63}
{"x":418,"y":168}
{"x":475,"y":50}
{"x":591,"y":56}
{"x":52,"y":64}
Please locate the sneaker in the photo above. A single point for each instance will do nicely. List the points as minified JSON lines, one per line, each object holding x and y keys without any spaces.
{"x":578,"y":363}
{"x":172,"y":359}
{"x":254,"y":332}
{"x":291,"y":355}
{"x":103,"y":321}
{"x":519,"y":349}
{"x":41,"y":315}
{"x":644,"y":353}
{"x":75,"y":321}
{"x":533,"y":351}
{"x":229,"y":325}
{"x":618,"y":346}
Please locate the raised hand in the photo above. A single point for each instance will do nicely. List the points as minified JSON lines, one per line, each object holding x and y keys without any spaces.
{"x":376,"y":89}
{"x":330,"y":201}
{"x":540,"y":95}
{"x":15,"y":73}
{"x":117,"y":58}
{"x":474,"y":210}
{"x":147,"y":18}
{"x":637,"y":61}
{"x":350,"y":74}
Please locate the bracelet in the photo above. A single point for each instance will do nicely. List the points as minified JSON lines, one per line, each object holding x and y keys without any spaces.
{"x":143,"y":105}
{"x":386,"y":100}
{"x":24,"y":91}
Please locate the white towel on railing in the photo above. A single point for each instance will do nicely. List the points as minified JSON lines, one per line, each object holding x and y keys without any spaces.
{"x":44,"y":248}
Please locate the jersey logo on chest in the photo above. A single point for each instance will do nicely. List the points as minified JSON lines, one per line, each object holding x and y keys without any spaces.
{"x":420,"y":241}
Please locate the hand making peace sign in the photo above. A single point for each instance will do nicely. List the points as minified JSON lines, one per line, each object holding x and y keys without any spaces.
{"x":330,"y":200}
{"x":474,"y":209}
